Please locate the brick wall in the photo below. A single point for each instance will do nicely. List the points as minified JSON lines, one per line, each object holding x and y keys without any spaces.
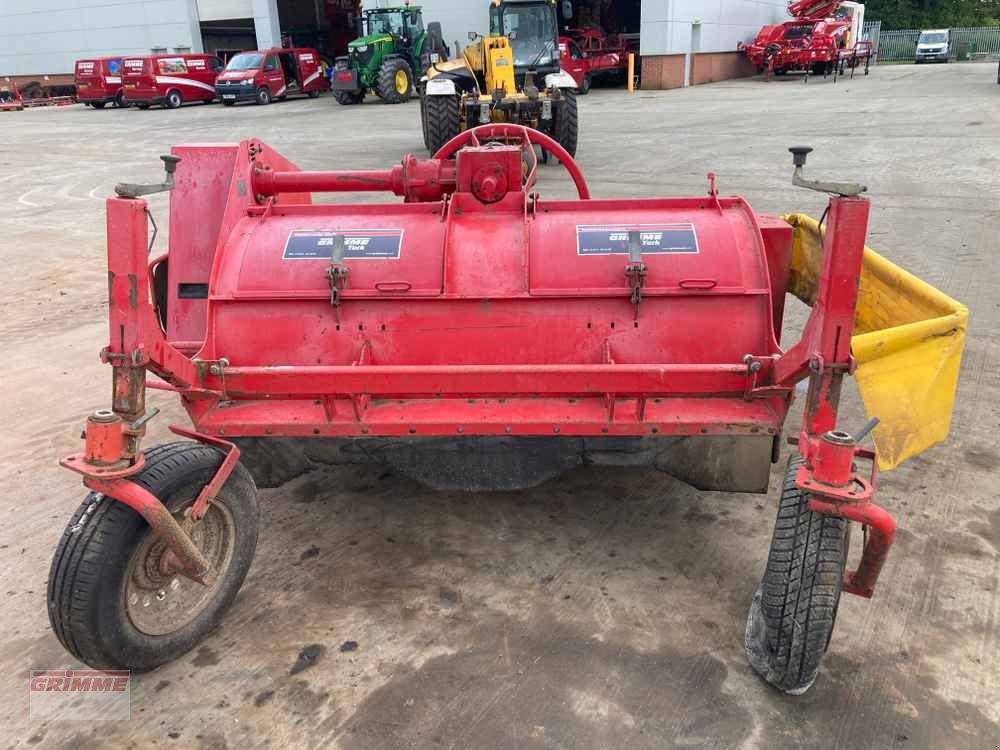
{"x":667,"y":71}
{"x":707,"y":67}
{"x":662,"y":71}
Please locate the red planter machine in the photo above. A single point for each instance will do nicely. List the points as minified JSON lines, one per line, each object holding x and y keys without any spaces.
{"x":823,"y":38}
{"x":474,"y":335}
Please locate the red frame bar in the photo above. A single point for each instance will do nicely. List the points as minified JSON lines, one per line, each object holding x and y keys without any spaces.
{"x":210,"y":490}
{"x":460,"y":381}
{"x":190,"y":561}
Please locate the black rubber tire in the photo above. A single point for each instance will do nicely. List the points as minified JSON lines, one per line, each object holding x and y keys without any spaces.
{"x":385,"y":86}
{"x":263,"y":96}
{"x":119,"y":99}
{"x":142,"y":106}
{"x":423,"y":120}
{"x":349,"y":97}
{"x":174,"y":99}
{"x":567,"y":125}
{"x":87,"y":579}
{"x":443,"y":121}
{"x":97,"y":105}
{"x":313,"y":94}
{"x":584,"y":87}
{"x":793,"y":612}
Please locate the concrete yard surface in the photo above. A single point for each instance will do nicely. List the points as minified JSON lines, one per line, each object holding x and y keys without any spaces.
{"x":603,"y":609}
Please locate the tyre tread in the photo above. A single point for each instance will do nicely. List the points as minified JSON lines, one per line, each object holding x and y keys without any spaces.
{"x":386,"y":87}
{"x":443,"y":121}
{"x":800,"y":591}
{"x":568,"y":125}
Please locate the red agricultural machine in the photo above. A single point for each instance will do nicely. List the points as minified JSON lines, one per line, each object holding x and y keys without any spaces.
{"x":476,"y":336}
{"x":824,"y":37}
{"x":10,"y":98}
{"x":589,"y":53}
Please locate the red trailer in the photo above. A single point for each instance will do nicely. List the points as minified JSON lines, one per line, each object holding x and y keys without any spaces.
{"x":99,"y":82}
{"x":824,"y":37}
{"x":170,"y":80}
{"x":264,"y":75}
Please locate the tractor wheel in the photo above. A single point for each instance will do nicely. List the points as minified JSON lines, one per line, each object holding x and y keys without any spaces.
{"x":109,"y":601}
{"x":584,"y":87}
{"x":263,"y":95}
{"x":443,"y":121}
{"x":174,"y":99}
{"x":97,"y":105}
{"x":423,"y":121}
{"x":395,"y":81}
{"x":567,"y":124}
{"x":793,"y":612}
{"x":349,"y":97}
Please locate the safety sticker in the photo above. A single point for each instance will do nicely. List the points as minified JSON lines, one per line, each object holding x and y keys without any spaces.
{"x":617,"y":239}
{"x":368,"y":244}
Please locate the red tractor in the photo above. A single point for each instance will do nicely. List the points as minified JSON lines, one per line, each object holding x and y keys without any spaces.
{"x":824,"y":37}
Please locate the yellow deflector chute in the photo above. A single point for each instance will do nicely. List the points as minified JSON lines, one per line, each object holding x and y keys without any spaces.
{"x":908,"y":343}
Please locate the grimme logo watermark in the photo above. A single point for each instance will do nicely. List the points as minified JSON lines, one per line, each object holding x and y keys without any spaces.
{"x":80,"y":694}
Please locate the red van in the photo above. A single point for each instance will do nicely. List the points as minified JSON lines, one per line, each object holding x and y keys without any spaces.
{"x":99,"y":81}
{"x":170,"y":80}
{"x":263,"y":75}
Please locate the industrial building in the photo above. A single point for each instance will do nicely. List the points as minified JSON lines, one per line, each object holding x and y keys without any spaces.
{"x":681,"y":41}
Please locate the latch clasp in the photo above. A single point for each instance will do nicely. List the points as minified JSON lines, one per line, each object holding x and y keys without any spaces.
{"x":337,"y":272}
{"x":635,"y":270}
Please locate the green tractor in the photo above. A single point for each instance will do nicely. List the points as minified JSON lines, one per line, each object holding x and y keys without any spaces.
{"x":392,"y":44}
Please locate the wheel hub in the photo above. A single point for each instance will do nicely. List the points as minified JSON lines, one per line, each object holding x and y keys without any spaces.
{"x":402,"y":82}
{"x":158,"y":599}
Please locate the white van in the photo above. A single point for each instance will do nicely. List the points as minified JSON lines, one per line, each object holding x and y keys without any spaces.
{"x":933,"y":44}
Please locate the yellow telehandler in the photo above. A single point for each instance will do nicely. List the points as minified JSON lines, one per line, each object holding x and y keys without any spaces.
{"x":512,"y":75}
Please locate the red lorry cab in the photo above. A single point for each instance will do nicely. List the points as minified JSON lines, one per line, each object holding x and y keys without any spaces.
{"x":170,"y":80}
{"x":263,"y":75}
{"x":99,"y":81}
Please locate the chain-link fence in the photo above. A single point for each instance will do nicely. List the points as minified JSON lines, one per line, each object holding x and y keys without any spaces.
{"x":966,"y":43}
